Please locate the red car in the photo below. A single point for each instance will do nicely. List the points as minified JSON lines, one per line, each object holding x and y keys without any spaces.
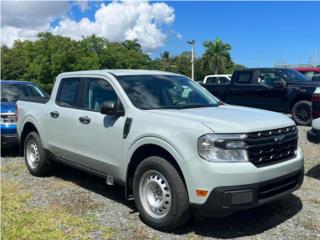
{"x":313,"y":73}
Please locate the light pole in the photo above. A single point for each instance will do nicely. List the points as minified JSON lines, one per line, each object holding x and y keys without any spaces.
{"x":192,"y":43}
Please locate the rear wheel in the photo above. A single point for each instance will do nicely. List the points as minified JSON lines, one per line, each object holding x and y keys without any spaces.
{"x":34,"y":155}
{"x":302,"y":113}
{"x":160,"y":194}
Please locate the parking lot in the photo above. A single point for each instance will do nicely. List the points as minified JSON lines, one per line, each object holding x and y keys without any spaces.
{"x":71,"y":204}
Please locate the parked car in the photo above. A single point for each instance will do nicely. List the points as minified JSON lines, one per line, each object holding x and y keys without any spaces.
{"x":311,"y":73}
{"x":276,"y":89}
{"x":217,"y":79}
{"x":174,"y":146}
{"x":11,"y":91}
{"x":314,"y":133}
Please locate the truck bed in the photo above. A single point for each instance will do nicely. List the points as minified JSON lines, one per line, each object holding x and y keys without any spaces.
{"x":42,"y":100}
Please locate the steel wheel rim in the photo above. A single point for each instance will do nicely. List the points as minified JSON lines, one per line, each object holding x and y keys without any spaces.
{"x":155,"y":194}
{"x":303,"y":113}
{"x":33,"y":156}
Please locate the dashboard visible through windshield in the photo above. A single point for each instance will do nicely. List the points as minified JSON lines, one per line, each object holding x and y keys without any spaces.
{"x":165,"y":92}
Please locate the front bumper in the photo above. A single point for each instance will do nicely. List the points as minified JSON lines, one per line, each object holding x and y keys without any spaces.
{"x":224,"y":201}
{"x":313,"y":135}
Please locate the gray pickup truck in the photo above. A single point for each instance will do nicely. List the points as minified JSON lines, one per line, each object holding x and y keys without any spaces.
{"x":176,"y":148}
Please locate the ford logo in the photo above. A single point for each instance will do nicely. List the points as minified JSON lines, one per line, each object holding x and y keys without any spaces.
{"x":279,"y":139}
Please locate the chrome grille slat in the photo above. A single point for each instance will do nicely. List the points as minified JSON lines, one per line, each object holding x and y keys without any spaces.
{"x":272,"y":146}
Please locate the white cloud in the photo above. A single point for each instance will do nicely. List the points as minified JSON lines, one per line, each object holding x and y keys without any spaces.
{"x":116,"y":21}
{"x":31,"y":13}
{"x":9,"y":34}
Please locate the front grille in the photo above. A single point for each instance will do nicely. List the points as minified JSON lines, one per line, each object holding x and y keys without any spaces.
{"x":278,"y":187}
{"x":8,"y":118}
{"x":272,"y":146}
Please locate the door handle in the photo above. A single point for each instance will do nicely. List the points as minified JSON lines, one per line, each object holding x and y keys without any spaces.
{"x":84,"y":120}
{"x":54,"y":114}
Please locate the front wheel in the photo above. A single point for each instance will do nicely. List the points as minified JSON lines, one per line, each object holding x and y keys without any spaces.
{"x":160,"y":194}
{"x":302,"y":113}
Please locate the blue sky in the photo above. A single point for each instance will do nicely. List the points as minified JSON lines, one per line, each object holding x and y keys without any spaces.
{"x":260,"y":33}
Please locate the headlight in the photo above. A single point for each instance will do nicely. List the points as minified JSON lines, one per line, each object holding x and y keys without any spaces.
{"x":223,"y":148}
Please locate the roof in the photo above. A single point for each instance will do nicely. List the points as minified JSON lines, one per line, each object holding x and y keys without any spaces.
{"x":308,"y":69}
{"x":123,"y":72}
{"x":14,"y":82}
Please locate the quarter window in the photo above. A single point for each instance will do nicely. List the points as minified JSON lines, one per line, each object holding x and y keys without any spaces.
{"x":68,"y":92}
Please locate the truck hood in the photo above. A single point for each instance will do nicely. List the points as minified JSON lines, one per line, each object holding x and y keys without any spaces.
{"x":231,"y":119}
{"x":7,"y":107}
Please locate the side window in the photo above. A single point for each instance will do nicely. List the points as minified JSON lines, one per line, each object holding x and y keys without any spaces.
{"x":97,"y":92}
{"x":316,"y":76}
{"x":211,"y":80}
{"x":244,"y":78}
{"x":223,"y":80}
{"x":267,"y":78}
{"x":68,"y":92}
{"x":218,"y":80}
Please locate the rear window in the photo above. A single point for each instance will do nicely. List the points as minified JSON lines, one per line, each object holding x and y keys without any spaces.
{"x":244,"y":78}
{"x":68,"y":92}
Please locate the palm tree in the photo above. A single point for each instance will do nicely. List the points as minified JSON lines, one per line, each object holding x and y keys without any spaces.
{"x":217,"y":55}
{"x":132,"y":45}
{"x":166,"y":60}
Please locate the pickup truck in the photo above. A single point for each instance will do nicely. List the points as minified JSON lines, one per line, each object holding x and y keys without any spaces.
{"x":277,"y":89}
{"x":176,"y":149}
{"x":217,"y":79}
{"x":314,"y":133}
{"x":11,"y":91}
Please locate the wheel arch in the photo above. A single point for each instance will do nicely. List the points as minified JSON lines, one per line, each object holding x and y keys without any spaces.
{"x":304,"y":97}
{"x":28,"y":126}
{"x":146,"y":148}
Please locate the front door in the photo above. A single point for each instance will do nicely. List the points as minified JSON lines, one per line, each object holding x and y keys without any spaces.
{"x":99,"y":137}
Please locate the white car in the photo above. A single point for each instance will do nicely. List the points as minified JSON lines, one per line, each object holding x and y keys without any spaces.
{"x":217,"y":79}
{"x":314,"y":133}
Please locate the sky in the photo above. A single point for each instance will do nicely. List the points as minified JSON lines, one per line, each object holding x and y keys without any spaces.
{"x":260,"y":33}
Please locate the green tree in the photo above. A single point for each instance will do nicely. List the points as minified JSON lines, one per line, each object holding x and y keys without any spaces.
{"x":166,"y":61}
{"x":217,"y":55}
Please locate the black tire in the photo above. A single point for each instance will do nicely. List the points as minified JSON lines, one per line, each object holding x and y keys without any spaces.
{"x":178,"y":212}
{"x":42,"y":166}
{"x":302,"y":112}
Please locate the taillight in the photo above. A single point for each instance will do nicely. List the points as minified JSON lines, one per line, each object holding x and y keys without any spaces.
{"x":16,"y":113}
{"x":316,"y":98}
{"x":316,"y":105}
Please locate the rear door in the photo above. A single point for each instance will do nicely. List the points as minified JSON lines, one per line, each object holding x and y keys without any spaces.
{"x":241,"y":92}
{"x":62,"y":126}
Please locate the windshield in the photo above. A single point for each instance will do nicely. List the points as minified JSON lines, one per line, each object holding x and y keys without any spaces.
{"x":165,"y":92}
{"x":12,"y":92}
{"x":292,"y":75}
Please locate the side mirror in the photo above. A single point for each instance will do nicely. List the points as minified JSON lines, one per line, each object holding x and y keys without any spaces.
{"x":278,"y":83}
{"x":111,"y":108}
